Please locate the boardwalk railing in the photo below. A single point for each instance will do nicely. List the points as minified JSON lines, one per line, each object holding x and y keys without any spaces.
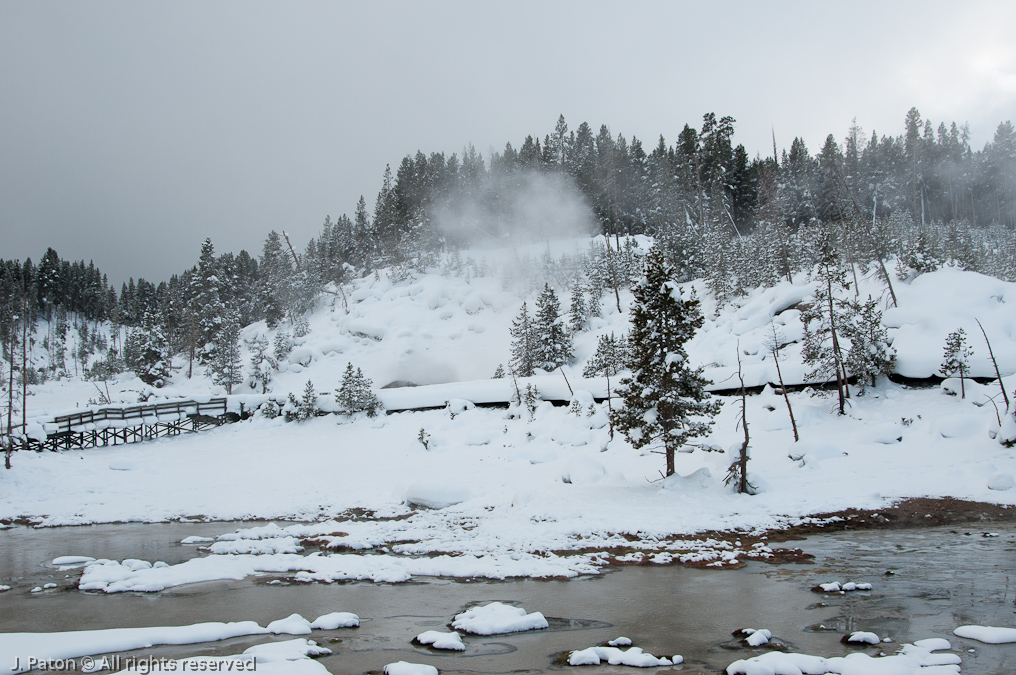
{"x":116,"y":426}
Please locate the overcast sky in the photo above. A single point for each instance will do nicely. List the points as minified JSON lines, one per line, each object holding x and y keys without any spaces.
{"x":130,"y":131}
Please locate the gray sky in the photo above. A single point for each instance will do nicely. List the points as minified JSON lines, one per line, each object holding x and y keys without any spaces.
{"x":130,"y":131}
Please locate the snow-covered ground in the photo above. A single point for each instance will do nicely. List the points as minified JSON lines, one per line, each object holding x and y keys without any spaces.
{"x":511,"y":489}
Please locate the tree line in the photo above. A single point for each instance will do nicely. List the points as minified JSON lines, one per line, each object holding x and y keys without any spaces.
{"x":924,"y":197}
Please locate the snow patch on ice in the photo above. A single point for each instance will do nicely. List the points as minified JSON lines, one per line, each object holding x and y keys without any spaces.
{"x":497,"y":618}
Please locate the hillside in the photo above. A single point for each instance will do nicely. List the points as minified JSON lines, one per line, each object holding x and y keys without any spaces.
{"x":507,"y":487}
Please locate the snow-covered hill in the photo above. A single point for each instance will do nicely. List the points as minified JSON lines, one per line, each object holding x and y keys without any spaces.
{"x":504,"y":482}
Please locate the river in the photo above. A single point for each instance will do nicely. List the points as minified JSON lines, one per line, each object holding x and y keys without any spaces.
{"x":925,"y":583}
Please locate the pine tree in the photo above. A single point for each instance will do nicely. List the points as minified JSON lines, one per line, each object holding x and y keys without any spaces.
{"x":275,"y":272}
{"x":553,"y":343}
{"x":825,"y":320}
{"x":227,"y":366}
{"x":578,"y":311}
{"x":355,"y":394}
{"x":206,"y":304}
{"x":610,"y":358}
{"x":956,"y":357}
{"x":146,"y":352}
{"x":870,"y":354}
{"x":665,"y":400}
{"x":308,"y":402}
{"x":523,"y":360}
{"x":282,"y":346}
{"x":262,"y":364}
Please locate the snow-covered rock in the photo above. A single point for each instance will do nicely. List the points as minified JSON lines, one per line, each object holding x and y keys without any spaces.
{"x":497,"y":618}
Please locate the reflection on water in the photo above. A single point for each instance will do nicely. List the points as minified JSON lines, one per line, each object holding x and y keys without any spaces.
{"x":937,"y":579}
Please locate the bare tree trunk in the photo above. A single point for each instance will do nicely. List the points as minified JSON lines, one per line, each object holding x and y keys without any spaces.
{"x":739,"y":467}
{"x":998,"y":374}
{"x":610,"y":408}
{"x":561,"y":368}
{"x":291,"y":251}
{"x":776,"y":357}
{"x":837,"y":354}
{"x":613,"y":274}
{"x":24,"y":369}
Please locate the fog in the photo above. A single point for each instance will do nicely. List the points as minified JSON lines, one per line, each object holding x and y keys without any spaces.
{"x":515,"y":209}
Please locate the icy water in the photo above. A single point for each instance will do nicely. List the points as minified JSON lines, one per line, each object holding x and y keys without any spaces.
{"x":941,"y":578}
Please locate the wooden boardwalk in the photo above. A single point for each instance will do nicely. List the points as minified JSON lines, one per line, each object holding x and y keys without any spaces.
{"x":117,"y":426}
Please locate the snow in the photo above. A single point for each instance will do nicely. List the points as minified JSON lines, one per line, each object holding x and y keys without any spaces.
{"x":989,"y":634}
{"x":864,"y":637}
{"x":634,"y":656}
{"x":72,"y":644}
{"x":494,"y":492}
{"x":294,"y":624}
{"x":439,"y":640}
{"x":291,"y":657}
{"x":1001,"y":482}
{"x":837,"y":587}
{"x":335,"y":620}
{"x":757,"y":637}
{"x":71,"y":560}
{"x":406,"y":668}
{"x":436,"y":494}
{"x":497,"y":618}
{"x":918,"y":658}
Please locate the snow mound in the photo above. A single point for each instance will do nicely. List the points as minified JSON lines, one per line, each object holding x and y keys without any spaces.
{"x":294,"y":624}
{"x":291,"y":657}
{"x":594,"y":656}
{"x":71,"y":560}
{"x":991,"y":635}
{"x":757,"y":638}
{"x":913,"y":659}
{"x":1001,"y":482}
{"x":583,"y":471}
{"x":406,"y":668}
{"x":439,"y":640}
{"x":497,"y":618}
{"x":837,"y":587}
{"x":73,"y":644}
{"x":864,"y":637}
{"x":336,"y":620}
{"x":436,"y":495}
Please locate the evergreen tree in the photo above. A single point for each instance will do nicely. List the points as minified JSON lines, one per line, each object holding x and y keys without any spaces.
{"x":553,"y":343}
{"x":611,"y":357}
{"x":956,"y":357}
{"x":303,"y":409}
{"x":870,"y":354}
{"x":665,"y":400}
{"x":355,"y":394}
{"x":146,"y":352}
{"x":276,"y":272}
{"x":282,"y":346}
{"x":826,"y":318}
{"x":205,"y":303}
{"x":524,"y":354}
{"x":262,"y":364}
{"x":578,"y":311}
{"x":227,"y":366}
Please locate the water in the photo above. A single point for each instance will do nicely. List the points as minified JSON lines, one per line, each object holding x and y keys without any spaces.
{"x":942,"y":578}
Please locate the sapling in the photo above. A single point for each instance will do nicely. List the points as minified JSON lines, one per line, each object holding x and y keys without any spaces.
{"x":775,"y":343}
{"x":956,"y":357}
{"x":998,"y":373}
{"x":737,"y":473}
